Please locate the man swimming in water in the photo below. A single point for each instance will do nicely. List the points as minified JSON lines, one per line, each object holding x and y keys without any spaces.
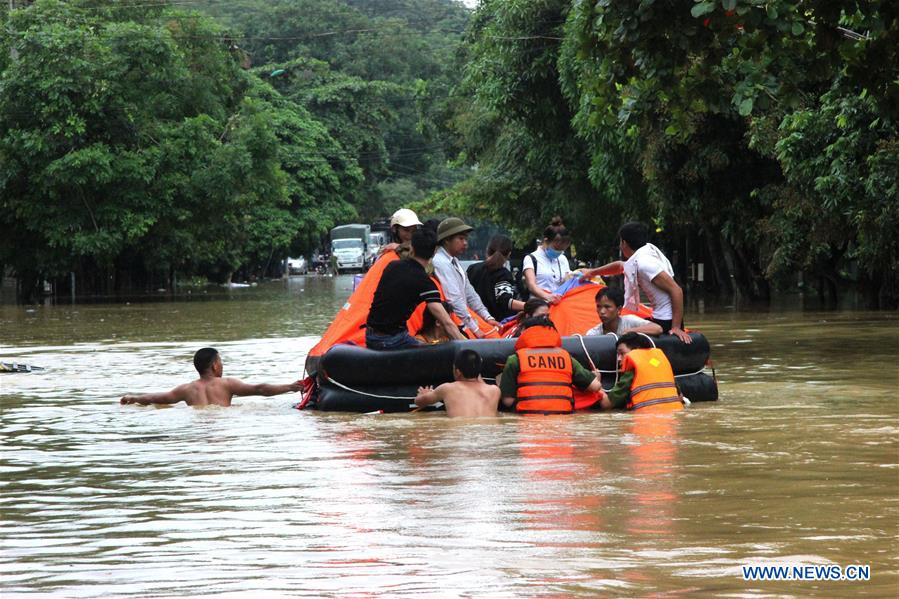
{"x":210,"y":388}
{"x":468,"y":396}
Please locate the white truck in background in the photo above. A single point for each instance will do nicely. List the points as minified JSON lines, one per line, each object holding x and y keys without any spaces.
{"x":378,"y":240}
{"x":350,"y":245}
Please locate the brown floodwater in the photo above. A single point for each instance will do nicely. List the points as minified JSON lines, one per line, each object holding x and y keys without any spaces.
{"x":798,"y":463}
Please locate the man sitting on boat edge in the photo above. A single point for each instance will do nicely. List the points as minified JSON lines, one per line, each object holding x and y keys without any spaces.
{"x":609,"y":302}
{"x":646,"y":268}
{"x":452,"y":236}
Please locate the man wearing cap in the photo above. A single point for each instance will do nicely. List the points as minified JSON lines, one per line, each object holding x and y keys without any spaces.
{"x":452,"y":235}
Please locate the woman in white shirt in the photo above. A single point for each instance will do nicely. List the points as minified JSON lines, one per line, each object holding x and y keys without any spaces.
{"x":545,"y":269}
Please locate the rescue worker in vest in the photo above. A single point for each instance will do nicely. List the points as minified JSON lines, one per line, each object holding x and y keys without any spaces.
{"x":537,"y":379}
{"x":646,"y":380}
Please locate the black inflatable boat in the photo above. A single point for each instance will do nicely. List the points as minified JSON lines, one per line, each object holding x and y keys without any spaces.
{"x":354,"y":379}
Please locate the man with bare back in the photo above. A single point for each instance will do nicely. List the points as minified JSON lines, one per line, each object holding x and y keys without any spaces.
{"x":468,"y":396}
{"x":210,"y":389}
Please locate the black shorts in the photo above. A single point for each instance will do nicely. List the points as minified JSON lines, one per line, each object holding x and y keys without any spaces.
{"x":665,"y":324}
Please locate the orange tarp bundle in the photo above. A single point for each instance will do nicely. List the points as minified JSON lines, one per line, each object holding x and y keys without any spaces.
{"x":349,"y":323}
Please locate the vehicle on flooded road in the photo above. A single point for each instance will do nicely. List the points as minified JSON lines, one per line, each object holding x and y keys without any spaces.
{"x":349,"y":244}
{"x":297,"y":266}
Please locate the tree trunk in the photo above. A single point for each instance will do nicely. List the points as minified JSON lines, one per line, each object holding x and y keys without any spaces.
{"x":870,"y":285}
{"x":28,"y":287}
{"x":718,"y":268}
{"x":889,"y":291}
{"x":827,"y":291}
{"x":761,"y":290}
{"x":742,"y":282}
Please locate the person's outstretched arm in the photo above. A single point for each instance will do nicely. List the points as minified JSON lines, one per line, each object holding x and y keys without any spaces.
{"x":596,"y":387}
{"x":530,"y":280}
{"x":587,"y":380}
{"x":617,"y":396}
{"x":177,"y":394}
{"x":238,"y":387}
{"x":612,"y":268}
{"x":428,"y":396}
{"x":646,"y":327}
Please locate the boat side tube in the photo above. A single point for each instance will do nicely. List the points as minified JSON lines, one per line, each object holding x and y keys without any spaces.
{"x":355,"y":379}
{"x":433,"y":364}
{"x":697,"y":387}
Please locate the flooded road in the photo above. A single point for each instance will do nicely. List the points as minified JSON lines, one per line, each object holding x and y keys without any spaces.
{"x":797,"y":464}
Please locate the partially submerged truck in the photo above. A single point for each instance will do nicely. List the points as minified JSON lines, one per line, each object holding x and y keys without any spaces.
{"x":350,"y":245}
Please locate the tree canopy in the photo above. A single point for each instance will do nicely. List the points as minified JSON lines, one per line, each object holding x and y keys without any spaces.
{"x":765,"y":128}
{"x":141,"y":140}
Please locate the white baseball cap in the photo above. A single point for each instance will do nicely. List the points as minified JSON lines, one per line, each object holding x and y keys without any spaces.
{"x":405,"y":218}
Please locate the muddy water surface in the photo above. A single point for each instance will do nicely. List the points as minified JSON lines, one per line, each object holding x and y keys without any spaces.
{"x":797,"y":464}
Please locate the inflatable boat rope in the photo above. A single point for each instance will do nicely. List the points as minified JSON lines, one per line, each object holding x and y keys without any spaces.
{"x":351,"y":390}
{"x":593,"y":366}
{"x":648,"y":337}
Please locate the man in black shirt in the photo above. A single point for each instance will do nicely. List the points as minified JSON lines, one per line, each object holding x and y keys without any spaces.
{"x":493,"y":281}
{"x":405,"y":284}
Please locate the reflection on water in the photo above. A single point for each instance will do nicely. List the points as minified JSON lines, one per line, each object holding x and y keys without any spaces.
{"x":797,"y":464}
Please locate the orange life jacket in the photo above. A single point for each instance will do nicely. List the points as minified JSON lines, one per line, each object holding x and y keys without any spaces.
{"x":544,"y":377}
{"x":653,"y":389}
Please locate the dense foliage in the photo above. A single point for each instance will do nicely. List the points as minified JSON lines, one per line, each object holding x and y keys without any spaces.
{"x":375,"y":72}
{"x":764,"y":129}
{"x":140,"y":140}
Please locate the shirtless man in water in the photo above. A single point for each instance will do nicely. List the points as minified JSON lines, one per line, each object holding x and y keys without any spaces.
{"x":210,"y":388}
{"x":468,"y":396}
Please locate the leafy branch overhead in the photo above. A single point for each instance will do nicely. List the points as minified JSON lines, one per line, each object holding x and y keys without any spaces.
{"x":733,"y":119}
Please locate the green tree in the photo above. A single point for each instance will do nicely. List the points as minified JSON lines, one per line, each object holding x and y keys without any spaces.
{"x":363,"y":68}
{"x":141,"y":146}
{"x":707,"y":118}
{"x":517,"y":134}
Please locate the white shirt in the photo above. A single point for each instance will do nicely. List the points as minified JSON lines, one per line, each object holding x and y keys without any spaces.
{"x":640,"y":269}
{"x":457,"y":289}
{"x":550,"y":273}
{"x":626,"y":322}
